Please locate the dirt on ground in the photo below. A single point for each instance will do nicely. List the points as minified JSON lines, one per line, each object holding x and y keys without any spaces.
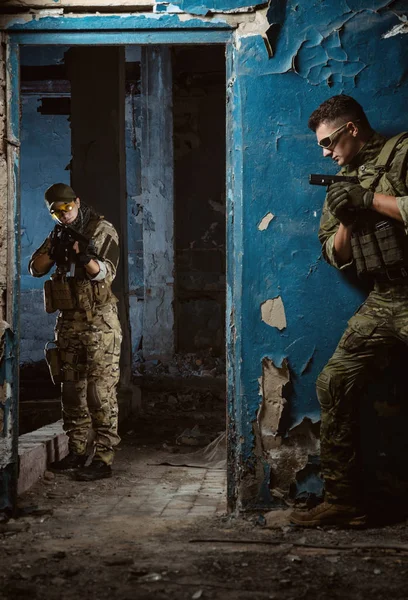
{"x":54,"y":553}
{"x":63,"y":545}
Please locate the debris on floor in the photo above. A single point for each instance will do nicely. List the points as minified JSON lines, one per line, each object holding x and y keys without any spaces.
{"x":158,"y":532}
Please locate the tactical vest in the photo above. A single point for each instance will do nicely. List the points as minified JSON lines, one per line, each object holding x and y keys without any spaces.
{"x":379,"y":244}
{"x":78,"y":293}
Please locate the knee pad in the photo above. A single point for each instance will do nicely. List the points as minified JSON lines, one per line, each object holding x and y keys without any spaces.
{"x":94,"y":400}
{"x":324,"y":388}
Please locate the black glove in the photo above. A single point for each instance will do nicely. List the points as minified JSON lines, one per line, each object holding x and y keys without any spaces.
{"x":357,"y":197}
{"x":85,"y":256}
{"x":52,"y":238}
{"x":56,"y":250}
{"x":345,"y":199}
{"x":339,"y":208}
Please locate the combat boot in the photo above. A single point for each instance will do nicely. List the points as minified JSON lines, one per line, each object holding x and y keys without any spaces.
{"x":96,"y":470}
{"x":68,"y":463}
{"x":326,"y":514}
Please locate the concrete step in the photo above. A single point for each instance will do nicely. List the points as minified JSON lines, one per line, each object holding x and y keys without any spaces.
{"x":39,"y":448}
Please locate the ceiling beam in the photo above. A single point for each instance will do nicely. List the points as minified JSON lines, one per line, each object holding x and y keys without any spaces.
{"x":80,"y":5}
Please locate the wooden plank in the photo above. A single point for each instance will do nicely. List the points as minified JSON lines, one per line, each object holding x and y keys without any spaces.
{"x":82,"y":5}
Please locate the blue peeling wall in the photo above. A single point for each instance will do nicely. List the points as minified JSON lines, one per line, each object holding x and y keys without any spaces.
{"x":45,"y":154}
{"x":45,"y":157}
{"x":319,"y":50}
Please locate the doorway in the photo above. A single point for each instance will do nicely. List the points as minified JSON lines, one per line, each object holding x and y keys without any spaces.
{"x":88,"y":118}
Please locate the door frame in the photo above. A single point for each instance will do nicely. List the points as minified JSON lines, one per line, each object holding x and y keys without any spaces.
{"x":139,"y":29}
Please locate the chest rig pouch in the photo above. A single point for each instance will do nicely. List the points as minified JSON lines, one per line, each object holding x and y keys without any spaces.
{"x":59,"y":293}
{"x":379,"y":244}
{"x":78,"y":292}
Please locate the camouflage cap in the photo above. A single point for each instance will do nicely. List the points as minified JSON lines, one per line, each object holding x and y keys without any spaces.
{"x":59,"y":192}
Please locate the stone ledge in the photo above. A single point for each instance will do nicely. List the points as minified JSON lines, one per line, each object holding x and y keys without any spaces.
{"x":40,"y":447}
{"x":37,"y":449}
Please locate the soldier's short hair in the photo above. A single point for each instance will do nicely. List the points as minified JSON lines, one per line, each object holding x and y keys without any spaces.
{"x":338,"y":108}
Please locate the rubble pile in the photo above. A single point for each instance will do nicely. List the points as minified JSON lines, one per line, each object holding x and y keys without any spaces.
{"x":205,"y":364}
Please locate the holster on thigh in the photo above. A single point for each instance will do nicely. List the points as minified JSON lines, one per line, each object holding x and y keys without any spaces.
{"x":73,"y":365}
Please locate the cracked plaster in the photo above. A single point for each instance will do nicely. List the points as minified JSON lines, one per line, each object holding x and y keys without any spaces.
{"x":287,"y":454}
{"x":273,"y":381}
{"x":273,"y":313}
{"x":264,"y":223}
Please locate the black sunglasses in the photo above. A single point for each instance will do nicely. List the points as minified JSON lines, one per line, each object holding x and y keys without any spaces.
{"x":328,"y":141}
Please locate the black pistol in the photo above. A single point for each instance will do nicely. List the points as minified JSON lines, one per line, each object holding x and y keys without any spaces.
{"x":327,"y":180}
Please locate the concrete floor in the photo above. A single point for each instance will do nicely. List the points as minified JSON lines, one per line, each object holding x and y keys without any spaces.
{"x":159,"y":491}
{"x":159,"y":532}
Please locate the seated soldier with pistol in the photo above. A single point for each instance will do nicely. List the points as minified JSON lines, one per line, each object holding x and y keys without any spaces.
{"x":84,"y":247}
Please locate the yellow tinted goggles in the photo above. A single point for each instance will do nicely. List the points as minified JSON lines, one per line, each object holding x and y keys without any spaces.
{"x":65,"y":207}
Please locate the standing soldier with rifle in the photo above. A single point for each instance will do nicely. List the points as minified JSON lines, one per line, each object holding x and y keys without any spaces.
{"x":364,"y":226}
{"x":84,"y":247}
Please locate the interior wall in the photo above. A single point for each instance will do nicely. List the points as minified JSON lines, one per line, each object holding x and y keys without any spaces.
{"x":199,"y":171}
{"x":45,"y":158}
{"x":98,"y":170}
{"x":158,"y":202}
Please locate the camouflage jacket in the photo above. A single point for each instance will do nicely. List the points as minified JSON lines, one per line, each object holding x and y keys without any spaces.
{"x":106,"y":242}
{"x":394,"y":183}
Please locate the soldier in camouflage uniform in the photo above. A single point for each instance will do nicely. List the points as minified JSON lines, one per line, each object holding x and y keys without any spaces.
{"x":87,"y":334}
{"x":364,"y":226}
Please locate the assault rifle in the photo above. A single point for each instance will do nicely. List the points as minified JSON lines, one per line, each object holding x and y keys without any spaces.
{"x":327,"y":180}
{"x":63,"y":238}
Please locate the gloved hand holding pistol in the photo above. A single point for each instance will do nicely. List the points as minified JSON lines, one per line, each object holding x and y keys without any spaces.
{"x":345,"y":199}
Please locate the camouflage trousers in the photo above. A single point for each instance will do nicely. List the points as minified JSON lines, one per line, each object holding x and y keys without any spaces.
{"x":376,"y":326}
{"x":90,"y":353}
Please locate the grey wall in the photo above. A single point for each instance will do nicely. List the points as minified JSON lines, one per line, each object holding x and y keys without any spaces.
{"x":199,"y":170}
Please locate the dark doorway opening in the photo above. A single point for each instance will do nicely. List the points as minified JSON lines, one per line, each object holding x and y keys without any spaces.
{"x":68,"y":122}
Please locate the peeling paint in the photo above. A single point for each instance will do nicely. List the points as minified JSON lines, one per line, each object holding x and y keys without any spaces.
{"x":273,"y":313}
{"x":6,"y":439}
{"x":291,"y":457}
{"x":252,"y":24}
{"x":116,"y":22}
{"x":197,"y":7}
{"x":148,"y":221}
{"x":274,"y":379}
{"x":287,"y":455}
{"x":73,"y":4}
{"x":265,"y":221}
{"x":398,"y":29}
{"x":249,"y":21}
{"x":308,"y":362}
